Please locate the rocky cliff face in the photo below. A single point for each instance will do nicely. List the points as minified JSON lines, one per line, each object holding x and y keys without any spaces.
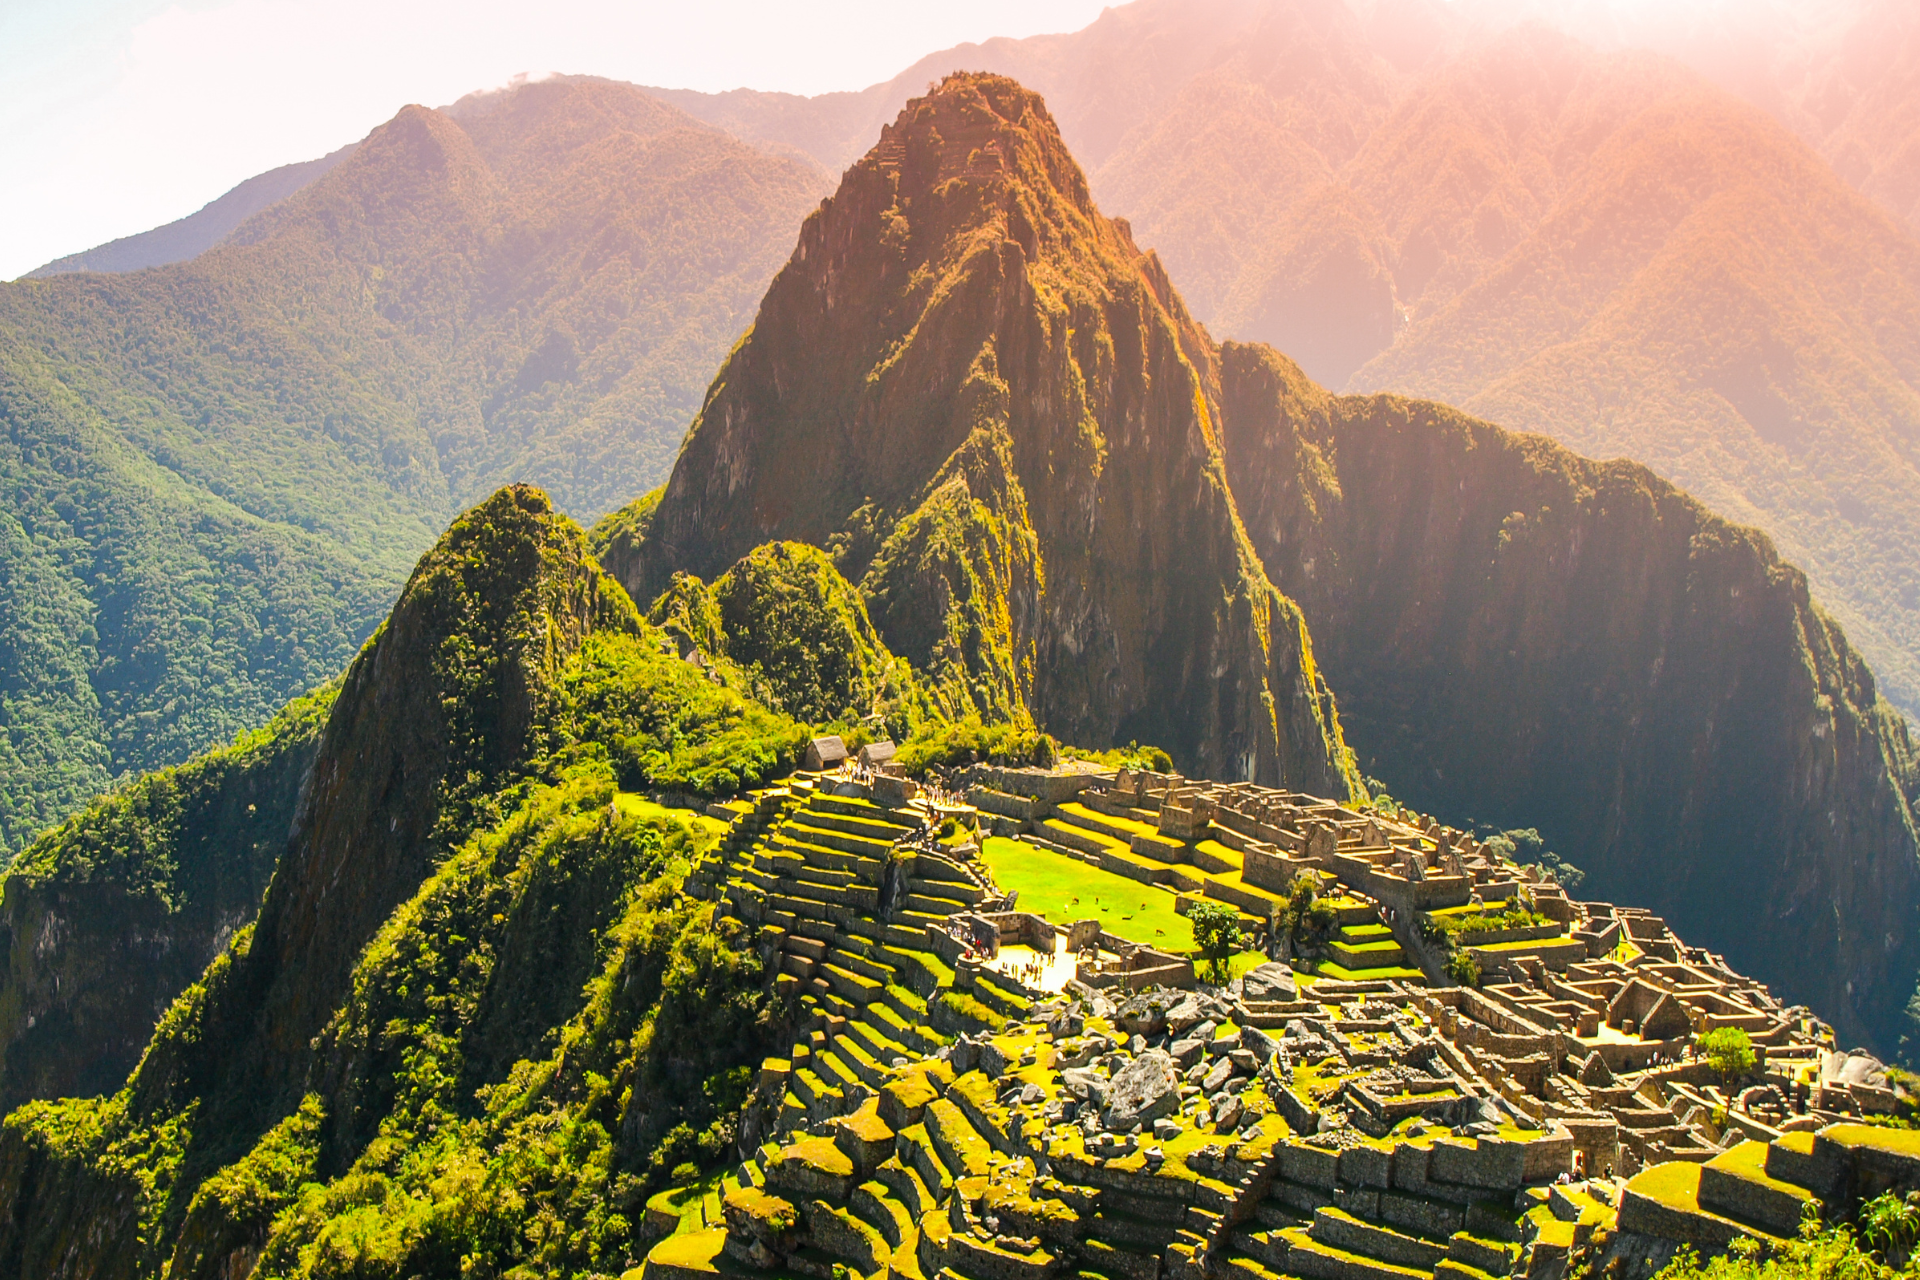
{"x":110,"y":916}
{"x":993,"y":407}
{"x":1524,"y":636}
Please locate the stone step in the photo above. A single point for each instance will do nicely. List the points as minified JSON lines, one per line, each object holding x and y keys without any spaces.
{"x":1736,"y":1184}
{"x":936,"y":908}
{"x":907,"y":1186}
{"x":874,"y":1204}
{"x":1309,"y":1258}
{"x":866,"y":968}
{"x":918,"y":1038}
{"x":914,"y":1149}
{"x":1338,"y":1229}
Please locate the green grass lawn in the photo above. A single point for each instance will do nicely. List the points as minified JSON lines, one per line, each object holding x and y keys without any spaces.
{"x":706,"y":830}
{"x":1049,"y":884}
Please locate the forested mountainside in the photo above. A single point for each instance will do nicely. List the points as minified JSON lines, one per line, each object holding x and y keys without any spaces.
{"x":112,"y":914}
{"x":1684,"y":716}
{"x":193,"y":235}
{"x":1514,"y":629}
{"x":465,"y":904}
{"x":1840,"y":73}
{"x":214,"y":475}
{"x":995,"y":410}
{"x":1414,"y":196}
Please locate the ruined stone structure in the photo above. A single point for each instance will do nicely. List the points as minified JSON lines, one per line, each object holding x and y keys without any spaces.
{"x":1354,"y":1114}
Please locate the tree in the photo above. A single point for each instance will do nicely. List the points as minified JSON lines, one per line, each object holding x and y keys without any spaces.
{"x":1216,"y":931}
{"x":1729,"y":1050}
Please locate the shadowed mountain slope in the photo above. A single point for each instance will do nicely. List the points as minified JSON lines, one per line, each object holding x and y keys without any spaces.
{"x":112,"y":914}
{"x":1702,"y":295}
{"x":974,"y":388}
{"x":1517,"y":630}
{"x":216,"y":474}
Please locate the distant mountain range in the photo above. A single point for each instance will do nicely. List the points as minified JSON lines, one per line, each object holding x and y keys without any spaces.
{"x":215,"y":474}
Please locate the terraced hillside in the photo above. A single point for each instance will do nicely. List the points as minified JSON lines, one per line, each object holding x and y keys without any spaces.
{"x":934,"y":1116}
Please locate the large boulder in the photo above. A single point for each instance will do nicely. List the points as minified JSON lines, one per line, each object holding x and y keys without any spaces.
{"x":1272,"y":981}
{"x":1142,"y":1092}
{"x":1146,"y":1013}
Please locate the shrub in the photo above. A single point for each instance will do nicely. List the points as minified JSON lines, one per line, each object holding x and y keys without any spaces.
{"x":1464,"y":969}
{"x":1729,"y":1050}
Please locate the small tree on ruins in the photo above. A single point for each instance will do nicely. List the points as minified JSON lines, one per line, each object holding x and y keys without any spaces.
{"x":1216,"y":931}
{"x":1728,"y":1050}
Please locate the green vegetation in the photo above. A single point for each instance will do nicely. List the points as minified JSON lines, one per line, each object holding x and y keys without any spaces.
{"x":1880,"y":1244}
{"x":1463,"y":968}
{"x":967,"y":741}
{"x":115,"y":911}
{"x":1525,"y":846}
{"x":1447,"y":926}
{"x":1729,"y":1050}
{"x":667,"y":726}
{"x":1064,"y":888}
{"x":1216,"y":932}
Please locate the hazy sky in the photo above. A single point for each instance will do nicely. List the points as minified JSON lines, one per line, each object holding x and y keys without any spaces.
{"x":119,"y":115}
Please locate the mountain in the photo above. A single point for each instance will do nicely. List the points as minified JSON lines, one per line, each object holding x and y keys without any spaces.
{"x":1701,"y":294}
{"x":216,"y":473}
{"x":489,"y":1009}
{"x":1519,"y":631}
{"x":972,"y":387}
{"x":1516,"y":630}
{"x":193,"y":235}
{"x":450,"y":812}
{"x":1374,"y":187}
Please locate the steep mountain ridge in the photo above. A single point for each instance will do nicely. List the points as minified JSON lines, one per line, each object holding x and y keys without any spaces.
{"x":963,"y":351}
{"x":1697,"y":216}
{"x":217,"y":473}
{"x":436,"y":715}
{"x":1517,"y":630}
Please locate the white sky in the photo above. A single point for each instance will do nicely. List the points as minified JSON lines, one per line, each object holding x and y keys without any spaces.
{"x":120,"y":115}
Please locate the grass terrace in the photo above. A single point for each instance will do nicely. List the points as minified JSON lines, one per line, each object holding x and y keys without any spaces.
{"x":1064,"y":890}
{"x":706,"y":831}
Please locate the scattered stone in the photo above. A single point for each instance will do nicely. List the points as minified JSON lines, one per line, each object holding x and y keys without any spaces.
{"x":1064,"y":1024}
{"x":1243,"y":1061}
{"x":1228,"y":1114}
{"x":1182,"y":1017}
{"x":1085,"y":1084}
{"x":1217,"y":1076}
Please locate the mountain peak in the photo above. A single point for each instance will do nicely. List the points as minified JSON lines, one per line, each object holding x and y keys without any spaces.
{"x":973,"y":389}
